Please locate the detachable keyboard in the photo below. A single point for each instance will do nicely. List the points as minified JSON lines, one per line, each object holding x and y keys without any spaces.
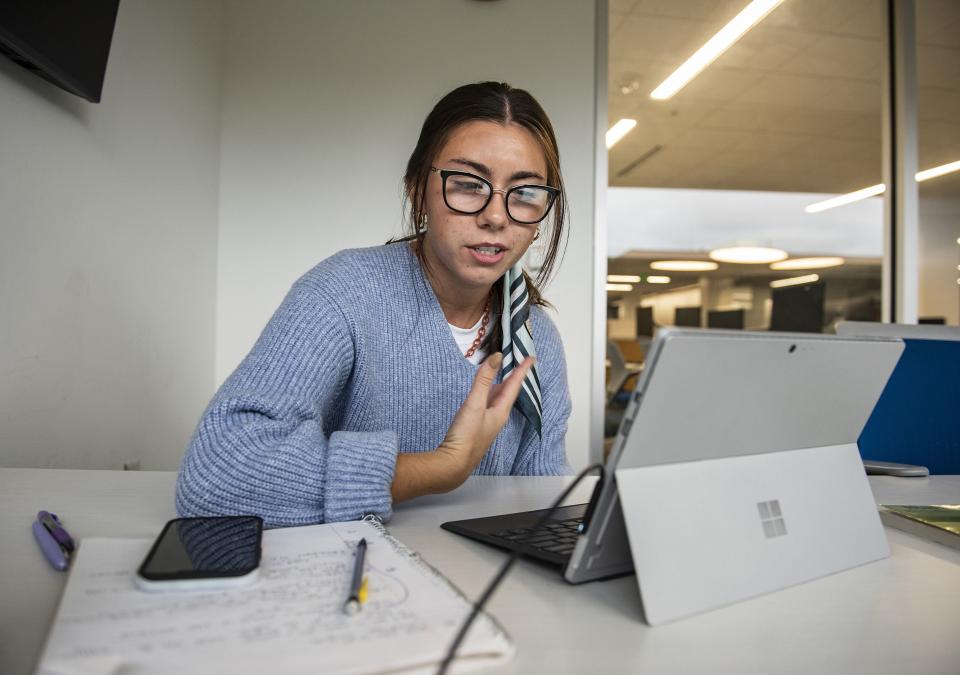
{"x":554,"y":542}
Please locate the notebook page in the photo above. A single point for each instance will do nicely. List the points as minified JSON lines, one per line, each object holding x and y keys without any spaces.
{"x":290,"y":620}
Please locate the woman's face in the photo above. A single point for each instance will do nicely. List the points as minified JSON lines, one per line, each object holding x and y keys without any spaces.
{"x":505,"y":155}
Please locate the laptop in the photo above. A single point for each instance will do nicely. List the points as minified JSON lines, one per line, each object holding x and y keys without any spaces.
{"x":734,"y":472}
{"x":916,"y":420}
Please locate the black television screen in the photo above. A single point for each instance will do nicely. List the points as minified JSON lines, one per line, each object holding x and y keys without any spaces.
{"x":686,"y":316}
{"x":729,"y":318}
{"x":63,"y":41}
{"x":798,"y":309}
{"x":645,"y":322}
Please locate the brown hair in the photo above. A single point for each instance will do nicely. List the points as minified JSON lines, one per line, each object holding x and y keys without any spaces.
{"x":496,"y":102}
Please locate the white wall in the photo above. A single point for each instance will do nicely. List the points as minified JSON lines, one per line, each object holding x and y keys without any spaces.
{"x":107,"y":248}
{"x":322,"y":104}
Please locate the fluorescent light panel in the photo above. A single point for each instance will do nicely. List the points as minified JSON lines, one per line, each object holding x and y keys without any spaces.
{"x":879,"y":189}
{"x":751,"y":15}
{"x":623,"y":278}
{"x":941,"y":170}
{"x":619,"y":287}
{"x":619,"y":130}
{"x":807,"y":263}
{"x":684,"y":265}
{"x":849,"y":198}
{"x":748,"y":255}
{"x":655,"y":279}
{"x":795,"y":281}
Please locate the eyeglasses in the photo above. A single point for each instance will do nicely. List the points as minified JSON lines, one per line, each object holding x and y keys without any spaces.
{"x":466,"y":193}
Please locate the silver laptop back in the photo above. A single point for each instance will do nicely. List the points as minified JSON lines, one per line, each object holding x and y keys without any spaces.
{"x":708,"y":396}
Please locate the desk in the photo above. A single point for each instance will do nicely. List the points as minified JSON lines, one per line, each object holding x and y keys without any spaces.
{"x":894,"y":616}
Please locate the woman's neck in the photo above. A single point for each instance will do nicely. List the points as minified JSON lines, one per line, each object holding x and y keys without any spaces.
{"x":462,"y":307}
{"x":461,"y":311}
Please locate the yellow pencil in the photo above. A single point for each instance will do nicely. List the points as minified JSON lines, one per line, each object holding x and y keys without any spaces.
{"x":362,"y":595}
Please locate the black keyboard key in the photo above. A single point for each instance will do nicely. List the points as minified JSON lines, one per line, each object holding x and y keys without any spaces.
{"x":562,"y":549}
{"x":539,"y":541}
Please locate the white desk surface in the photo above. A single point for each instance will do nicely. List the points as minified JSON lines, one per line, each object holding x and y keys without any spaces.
{"x":894,"y":616}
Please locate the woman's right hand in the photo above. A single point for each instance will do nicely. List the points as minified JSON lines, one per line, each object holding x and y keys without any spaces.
{"x":474,"y":428}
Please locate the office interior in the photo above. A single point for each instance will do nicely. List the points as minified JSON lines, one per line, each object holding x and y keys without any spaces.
{"x":148,"y":238}
{"x":748,"y":154}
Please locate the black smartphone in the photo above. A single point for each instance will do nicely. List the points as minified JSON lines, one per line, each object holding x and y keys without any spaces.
{"x":203,"y":554}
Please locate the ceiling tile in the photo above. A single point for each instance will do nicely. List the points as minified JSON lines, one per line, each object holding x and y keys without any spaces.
{"x":832,"y":56}
{"x":814,"y":15}
{"x":939,"y":66}
{"x":785,"y":90}
{"x":850,"y":96}
{"x":718,"y":12}
{"x":794,"y":105}
{"x":937,"y":22}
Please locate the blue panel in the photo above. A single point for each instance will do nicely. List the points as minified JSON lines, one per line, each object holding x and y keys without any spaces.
{"x":917,"y":419}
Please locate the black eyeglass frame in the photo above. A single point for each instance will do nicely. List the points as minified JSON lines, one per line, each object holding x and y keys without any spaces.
{"x":445,"y":173}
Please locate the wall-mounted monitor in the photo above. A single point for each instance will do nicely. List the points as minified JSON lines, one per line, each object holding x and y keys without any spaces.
{"x":65,"y":42}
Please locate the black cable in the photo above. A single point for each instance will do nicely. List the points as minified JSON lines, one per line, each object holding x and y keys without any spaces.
{"x":524,"y":549}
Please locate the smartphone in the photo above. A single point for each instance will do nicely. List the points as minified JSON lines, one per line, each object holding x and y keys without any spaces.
{"x":201,"y":554}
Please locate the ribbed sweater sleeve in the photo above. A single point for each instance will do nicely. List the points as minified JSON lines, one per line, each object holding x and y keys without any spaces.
{"x":261,"y":446}
{"x":546,"y":455}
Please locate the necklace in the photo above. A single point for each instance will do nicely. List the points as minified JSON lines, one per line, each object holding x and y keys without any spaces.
{"x":482,"y":332}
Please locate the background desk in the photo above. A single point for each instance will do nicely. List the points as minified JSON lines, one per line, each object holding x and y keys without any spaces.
{"x":898,"y":615}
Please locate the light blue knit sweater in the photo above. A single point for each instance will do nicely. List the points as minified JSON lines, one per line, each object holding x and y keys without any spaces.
{"x":356,"y":365}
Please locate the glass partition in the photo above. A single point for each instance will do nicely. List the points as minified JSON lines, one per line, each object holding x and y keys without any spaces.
{"x":723,"y":206}
{"x":938,"y":136}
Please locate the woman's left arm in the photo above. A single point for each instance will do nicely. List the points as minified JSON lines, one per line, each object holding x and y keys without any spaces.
{"x":546,"y":455}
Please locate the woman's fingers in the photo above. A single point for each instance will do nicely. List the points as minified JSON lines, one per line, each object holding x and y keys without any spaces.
{"x":507,"y":391}
{"x":482,"y":381}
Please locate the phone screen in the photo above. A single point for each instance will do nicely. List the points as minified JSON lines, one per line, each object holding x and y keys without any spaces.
{"x":195,"y":548}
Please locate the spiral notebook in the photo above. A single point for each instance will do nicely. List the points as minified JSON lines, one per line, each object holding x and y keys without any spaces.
{"x":290,"y":621}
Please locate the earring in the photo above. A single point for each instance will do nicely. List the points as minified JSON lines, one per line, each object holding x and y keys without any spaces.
{"x":537,"y":235}
{"x":422,"y":225}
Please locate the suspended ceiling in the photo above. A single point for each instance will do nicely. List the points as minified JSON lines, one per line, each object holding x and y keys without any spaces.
{"x":793,"y":106}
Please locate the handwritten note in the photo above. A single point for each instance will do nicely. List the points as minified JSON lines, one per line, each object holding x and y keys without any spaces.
{"x":290,"y":620}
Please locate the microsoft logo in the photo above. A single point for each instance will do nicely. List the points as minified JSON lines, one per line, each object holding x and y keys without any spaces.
{"x":772,"y":519}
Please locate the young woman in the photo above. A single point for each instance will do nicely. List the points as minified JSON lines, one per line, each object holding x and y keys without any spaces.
{"x":366,"y":387}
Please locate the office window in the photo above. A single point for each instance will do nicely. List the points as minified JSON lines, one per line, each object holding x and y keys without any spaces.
{"x":744,"y":156}
{"x":786,"y":118}
{"x":938,"y":135}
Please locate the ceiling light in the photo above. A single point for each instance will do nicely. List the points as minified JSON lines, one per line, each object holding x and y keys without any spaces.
{"x":807,"y":263}
{"x":927,"y":174}
{"x":629,"y":86}
{"x":879,"y":189}
{"x":624,"y":278}
{"x":687,"y":265}
{"x":619,"y":130}
{"x":746,"y":255}
{"x":795,"y":281}
{"x":654,"y":279}
{"x":619,"y":287}
{"x":751,"y":15}
{"x":848,"y":198}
